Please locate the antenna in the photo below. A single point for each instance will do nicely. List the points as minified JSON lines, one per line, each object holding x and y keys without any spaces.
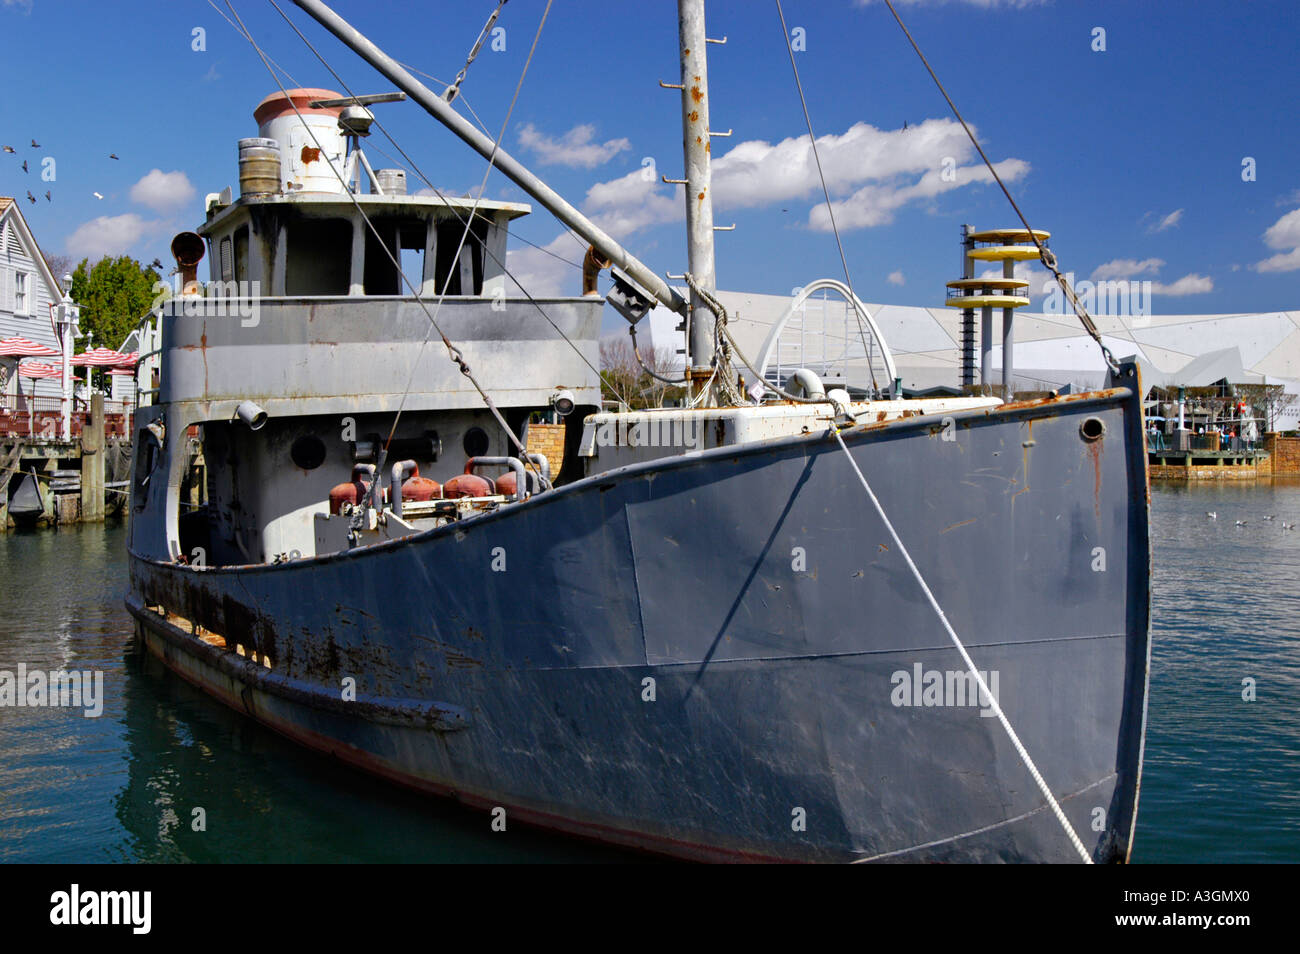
{"x":355,"y":122}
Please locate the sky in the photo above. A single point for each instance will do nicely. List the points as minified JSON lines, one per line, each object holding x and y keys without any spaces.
{"x":1155,"y":140}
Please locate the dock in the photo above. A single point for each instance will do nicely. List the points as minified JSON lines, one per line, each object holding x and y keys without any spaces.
{"x":78,"y":480}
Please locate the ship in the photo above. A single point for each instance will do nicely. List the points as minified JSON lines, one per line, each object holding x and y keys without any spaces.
{"x":804,"y":627}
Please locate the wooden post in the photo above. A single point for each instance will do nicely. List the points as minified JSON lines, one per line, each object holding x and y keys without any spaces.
{"x":92,"y":463}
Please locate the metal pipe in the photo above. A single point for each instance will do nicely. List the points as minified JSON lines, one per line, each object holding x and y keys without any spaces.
{"x":551,"y":200}
{"x":592,"y":265}
{"x":514,"y":463}
{"x":699,"y":195}
{"x":1008,"y":337}
{"x":542,"y":463}
{"x":400,"y":470}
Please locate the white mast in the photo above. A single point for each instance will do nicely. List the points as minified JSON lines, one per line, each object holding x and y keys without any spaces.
{"x":699,"y":196}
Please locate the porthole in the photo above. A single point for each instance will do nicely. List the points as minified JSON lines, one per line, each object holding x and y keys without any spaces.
{"x":308,"y":452}
{"x":476,"y":442}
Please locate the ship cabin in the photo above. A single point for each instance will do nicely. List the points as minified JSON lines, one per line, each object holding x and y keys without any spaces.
{"x":306,"y":398}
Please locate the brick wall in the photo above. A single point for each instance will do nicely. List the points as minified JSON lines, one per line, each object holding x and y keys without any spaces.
{"x":547,"y":439}
{"x":1284,"y":454}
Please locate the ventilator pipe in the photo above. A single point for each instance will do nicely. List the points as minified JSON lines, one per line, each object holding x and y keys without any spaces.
{"x":401,"y":470}
{"x":592,"y":265}
{"x":543,"y":465}
{"x":808,"y":383}
{"x":251,"y":414}
{"x":514,"y":463}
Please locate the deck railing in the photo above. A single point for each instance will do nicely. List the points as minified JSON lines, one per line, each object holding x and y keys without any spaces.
{"x":37,"y":418}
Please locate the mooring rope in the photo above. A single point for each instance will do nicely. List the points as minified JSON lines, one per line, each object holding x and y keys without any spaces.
{"x":970,"y":664}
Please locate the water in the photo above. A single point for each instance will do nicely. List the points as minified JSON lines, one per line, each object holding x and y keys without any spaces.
{"x":1222,"y":779}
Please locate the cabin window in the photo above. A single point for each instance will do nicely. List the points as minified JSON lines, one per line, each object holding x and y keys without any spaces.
{"x":22,"y":296}
{"x":227,"y":259}
{"x":400,"y":238}
{"x":449,"y":270}
{"x":241,"y":254}
{"x":318,"y":257}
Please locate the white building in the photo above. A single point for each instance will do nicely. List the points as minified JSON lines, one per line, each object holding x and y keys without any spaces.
{"x":28,"y":290}
{"x":1051,"y":350}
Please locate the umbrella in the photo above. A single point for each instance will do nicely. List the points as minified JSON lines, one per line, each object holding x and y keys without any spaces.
{"x":101,"y":357}
{"x":35,"y":369}
{"x":130,"y":371}
{"x":25,"y":348}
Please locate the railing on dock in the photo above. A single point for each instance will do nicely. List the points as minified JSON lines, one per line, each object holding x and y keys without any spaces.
{"x":37,"y":418}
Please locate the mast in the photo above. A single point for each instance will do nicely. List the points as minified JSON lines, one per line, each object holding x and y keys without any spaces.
{"x":699,"y":196}
{"x":551,"y":200}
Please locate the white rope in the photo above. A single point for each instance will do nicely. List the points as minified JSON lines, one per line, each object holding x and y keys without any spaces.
{"x":970,"y":665}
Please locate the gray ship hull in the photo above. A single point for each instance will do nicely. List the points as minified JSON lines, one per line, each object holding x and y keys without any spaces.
{"x":721,"y":655}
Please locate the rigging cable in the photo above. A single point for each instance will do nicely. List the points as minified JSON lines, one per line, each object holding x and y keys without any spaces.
{"x":453,"y":352}
{"x":830,"y":210}
{"x":984,"y":692}
{"x":1044,"y":253}
{"x":420,"y":172}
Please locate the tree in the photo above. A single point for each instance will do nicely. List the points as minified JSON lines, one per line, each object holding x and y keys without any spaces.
{"x":1272,"y":399}
{"x":114,"y":294}
{"x":60,"y":265}
{"x":623,"y":378}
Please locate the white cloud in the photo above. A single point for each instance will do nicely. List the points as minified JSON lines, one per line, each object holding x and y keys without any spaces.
{"x":23,"y":5}
{"x":575,"y":148}
{"x":1168,"y":222}
{"x":896,"y":278}
{"x":162,"y":191}
{"x":109,"y":235}
{"x":1192,"y":284}
{"x":876,"y":204}
{"x":1127,"y":268}
{"x":538,"y":272}
{"x":1283,"y":234}
{"x":633,"y":202}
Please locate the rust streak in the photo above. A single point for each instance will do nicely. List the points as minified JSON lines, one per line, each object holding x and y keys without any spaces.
{"x":956,"y":525}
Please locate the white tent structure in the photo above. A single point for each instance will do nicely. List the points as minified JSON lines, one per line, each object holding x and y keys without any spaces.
{"x":1052,"y":350}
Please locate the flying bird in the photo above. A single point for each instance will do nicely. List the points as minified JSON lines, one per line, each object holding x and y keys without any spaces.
{"x":8,"y":148}
{"x":1212,"y":515}
{"x":24,"y":165}
{"x":1287,"y":526}
{"x":113,"y":155}
{"x":35,"y":144}
{"x":1271,"y":517}
{"x":31,"y":198}
{"x":1241,"y":523}
{"x":97,"y":195}
{"x":47,"y":196}
{"x":156,"y":263}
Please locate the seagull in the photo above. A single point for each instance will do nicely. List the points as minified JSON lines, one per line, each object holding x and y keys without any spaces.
{"x":47,"y":196}
{"x":24,"y":165}
{"x":1287,"y":526}
{"x":1241,"y":523}
{"x":113,"y":155}
{"x":156,"y":264}
{"x":1271,"y":517}
{"x":31,"y":198}
{"x":97,"y":195}
{"x":35,"y":144}
{"x":8,"y":148}
{"x":1212,"y":515}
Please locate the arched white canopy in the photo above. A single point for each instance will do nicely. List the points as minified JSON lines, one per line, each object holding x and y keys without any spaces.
{"x":773,"y":336}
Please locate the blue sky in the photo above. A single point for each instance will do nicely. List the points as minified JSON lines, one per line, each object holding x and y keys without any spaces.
{"x":1131,"y":157}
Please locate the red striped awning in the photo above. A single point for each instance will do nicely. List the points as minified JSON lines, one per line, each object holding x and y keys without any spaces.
{"x":101,"y":358}
{"x":130,"y":371}
{"x":35,"y":369}
{"x":25,"y":348}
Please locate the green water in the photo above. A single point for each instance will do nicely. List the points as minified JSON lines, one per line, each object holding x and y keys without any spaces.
{"x":1222,"y":778}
